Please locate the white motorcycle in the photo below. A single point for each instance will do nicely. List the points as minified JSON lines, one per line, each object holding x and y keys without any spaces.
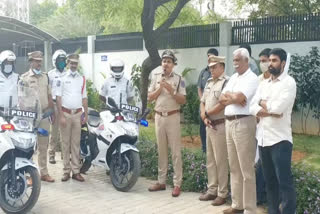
{"x":19,"y":176}
{"x":108,"y":140}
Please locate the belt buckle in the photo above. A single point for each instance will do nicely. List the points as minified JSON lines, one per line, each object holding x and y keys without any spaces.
{"x":73,"y":111}
{"x":164,"y":114}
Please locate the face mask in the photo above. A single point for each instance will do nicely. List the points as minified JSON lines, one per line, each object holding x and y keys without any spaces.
{"x":274,"y":71}
{"x":264,"y":66}
{"x":36,"y":71}
{"x":61,"y":66}
{"x":8,"y":69}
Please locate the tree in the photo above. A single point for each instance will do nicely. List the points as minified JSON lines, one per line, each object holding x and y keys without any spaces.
{"x":41,"y":12}
{"x":67,"y":23}
{"x":150,"y":35}
{"x":117,"y":16}
{"x":279,"y":7}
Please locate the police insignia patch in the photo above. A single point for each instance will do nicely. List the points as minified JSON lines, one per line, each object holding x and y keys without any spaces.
{"x":58,"y":83}
{"x":183,"y":84}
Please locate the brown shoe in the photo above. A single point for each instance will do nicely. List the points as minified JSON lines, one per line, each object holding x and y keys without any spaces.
{"x":65,"y":177}
{"x":207,"y":197}
{"x":78,"y":177}
{"x":47,"y":178}
{"x":176,"y":191}
{"x":218,"y":201}
{"x":52,"y":160}
{"x":157,"y":187}
{"x":232,"y":211}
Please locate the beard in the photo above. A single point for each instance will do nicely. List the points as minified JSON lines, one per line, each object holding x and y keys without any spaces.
{"x":274,"y":71}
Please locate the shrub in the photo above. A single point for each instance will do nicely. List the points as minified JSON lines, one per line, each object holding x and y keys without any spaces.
{"x":194,"y":166}
{"x":191,"y":108}
{"x":93,"y":96}
{"x":307,"y":181}
{"x":307,"y":184}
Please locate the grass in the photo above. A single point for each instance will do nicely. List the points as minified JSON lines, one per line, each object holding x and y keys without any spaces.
{"x":311,"y":146}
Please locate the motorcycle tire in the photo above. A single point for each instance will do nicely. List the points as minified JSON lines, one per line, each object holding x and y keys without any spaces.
{"x":32,"y":200}
{"x":135,"y":165}
{"x":85,"y":166}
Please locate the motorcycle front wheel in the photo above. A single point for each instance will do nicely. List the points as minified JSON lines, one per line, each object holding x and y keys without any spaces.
{"x":21,"y":197}
{"x":125,"y":172}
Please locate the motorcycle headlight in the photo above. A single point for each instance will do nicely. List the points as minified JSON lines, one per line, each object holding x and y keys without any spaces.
{"x":24,"y":143}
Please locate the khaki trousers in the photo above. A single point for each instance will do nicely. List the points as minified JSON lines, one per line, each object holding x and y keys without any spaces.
{"x":43,"y":142}
{"x":71,"y":143}
{"x":241,"y":145}
{"x":168,"y":133}
{"x":55,"y":136}
{"x":217,"y":161}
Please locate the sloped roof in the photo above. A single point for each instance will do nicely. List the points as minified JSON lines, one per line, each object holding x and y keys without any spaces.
{"x":15,"y":31}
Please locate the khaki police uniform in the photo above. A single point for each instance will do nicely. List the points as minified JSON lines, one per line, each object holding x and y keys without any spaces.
{"x":167,"y":125}
{"x":40,"y":82}
{"x":55,"y":81}
{"x":217,"y":153}
{"x":72,"y":91}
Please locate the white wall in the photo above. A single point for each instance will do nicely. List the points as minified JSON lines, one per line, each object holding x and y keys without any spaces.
{"x":196,"y":58}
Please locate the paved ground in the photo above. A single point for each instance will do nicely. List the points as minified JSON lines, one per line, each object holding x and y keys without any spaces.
{"x":97,"y":195}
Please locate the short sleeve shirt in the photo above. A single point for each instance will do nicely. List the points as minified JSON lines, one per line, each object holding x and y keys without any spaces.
{"x":203,"y":78}
{"x":39,"y":82}
{"x":72,"y":90}
{"x":165,"y":102}
{"x":117,"y":88}
{"x":211,"y":94}
{"x":55,"y":80}
{"x":247,"y":83}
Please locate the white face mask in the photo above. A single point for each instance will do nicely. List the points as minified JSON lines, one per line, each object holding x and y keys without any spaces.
{"x":36,"y":71}
{"x":8,"y":69}
{"x":264,"y":66}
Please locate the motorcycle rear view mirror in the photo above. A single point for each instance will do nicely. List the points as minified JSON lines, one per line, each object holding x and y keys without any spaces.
{"x":48,"y":113}
{"x":43,"y":132}
{"x":145,"y":113}
{"x":111,"y":102}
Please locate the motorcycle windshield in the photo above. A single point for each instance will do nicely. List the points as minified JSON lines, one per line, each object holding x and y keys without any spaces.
{"x":132,"y":110}
{"x":22,"y":108}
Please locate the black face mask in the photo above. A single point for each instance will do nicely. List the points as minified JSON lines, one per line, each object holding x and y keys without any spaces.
{"x":274,"y":71}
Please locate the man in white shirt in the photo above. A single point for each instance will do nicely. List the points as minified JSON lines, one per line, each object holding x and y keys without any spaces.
{"x":71,"y":97}
{"x":240,"y":134}
{"x":8,"y":79}
{"x":273,"y":104}
{"x":59,"y":61}
{"x":117,"y":86}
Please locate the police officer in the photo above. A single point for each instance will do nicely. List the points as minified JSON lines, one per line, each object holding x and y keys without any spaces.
{"x":118,"y":87}
{"x":212,"y":113}
{"x":35,"y":78}
{"x":168,"y":91}
{"x":202,"y":80}
{"x":71,"y":97}
{"x":8,"y":78}
{"x":59,"y":61}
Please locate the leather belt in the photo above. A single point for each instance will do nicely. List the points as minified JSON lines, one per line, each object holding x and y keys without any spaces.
{"x":71,"y":111}
{"x":217,"y":122}
{"x":165,"y":114}
{"x":237,"y":116}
